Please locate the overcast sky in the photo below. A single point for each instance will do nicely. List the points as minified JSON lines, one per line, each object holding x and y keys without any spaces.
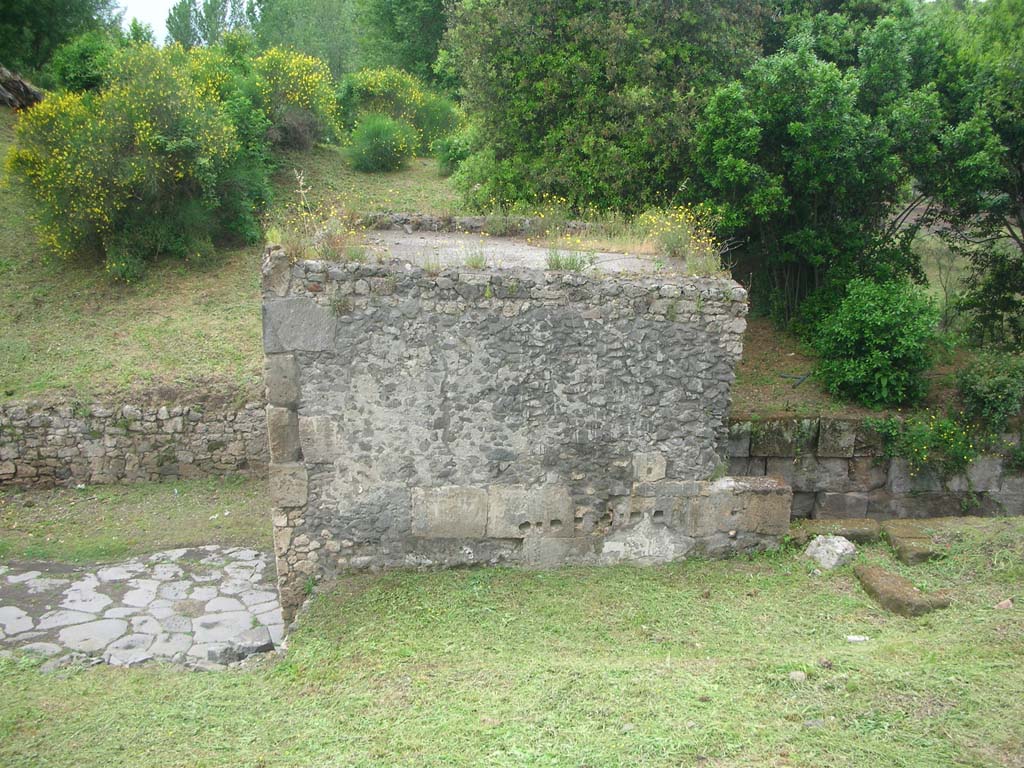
{"x":152,"y":12}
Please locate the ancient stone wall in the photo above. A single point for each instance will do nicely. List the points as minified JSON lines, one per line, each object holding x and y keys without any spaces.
{"x":43,"y":445}
{"x":837,"y":469}
{"x":421,"y":419}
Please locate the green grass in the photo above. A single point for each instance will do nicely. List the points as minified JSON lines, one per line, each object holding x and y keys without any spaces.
{"x":100,"y":523}
{"x":672,"y":666}
{"x":332,"y":183}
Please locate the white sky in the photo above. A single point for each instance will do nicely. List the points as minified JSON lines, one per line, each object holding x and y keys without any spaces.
{"x":152,"y":12}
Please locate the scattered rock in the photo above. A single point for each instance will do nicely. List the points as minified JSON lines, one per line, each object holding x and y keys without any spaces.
{"x":830,"y":551}
{"x":857,"y":638}
{"x":897,"y":594}
{"x":825,"y":663}
{"x":1003,"y":605}
{"x":815,"y":723}
{"x":797,"y":676}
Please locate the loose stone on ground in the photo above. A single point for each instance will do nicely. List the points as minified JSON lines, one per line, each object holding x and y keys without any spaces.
{"x":830,"y":551}
{"x":207,"y":607}
{"x":897,"y":594}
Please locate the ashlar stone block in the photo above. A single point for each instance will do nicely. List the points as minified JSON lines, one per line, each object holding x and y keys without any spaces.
{"x":297,"y":324}
{"x":516,"y":511}
{"x":282,"y":434}
{"x":281,"y":375}
{"x":289,"y":485}
{"x":449,"y":512}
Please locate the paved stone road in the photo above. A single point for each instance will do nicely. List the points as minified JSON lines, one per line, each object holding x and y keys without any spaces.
{"x":204,"y":607}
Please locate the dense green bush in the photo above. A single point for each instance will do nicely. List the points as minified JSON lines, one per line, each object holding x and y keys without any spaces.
{"x":452,"y":149}
{"x":151,"y":165}
{"x":402,"y":96}
{"x":592,"y":101}
{"x":381,"y":143}
{"x":403,"y":33}
{"x":877,"y":344}
{"x":992,"y":390}
{"x":83,"y":63}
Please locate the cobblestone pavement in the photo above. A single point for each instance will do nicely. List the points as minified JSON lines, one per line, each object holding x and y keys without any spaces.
{"x":203,"y":607}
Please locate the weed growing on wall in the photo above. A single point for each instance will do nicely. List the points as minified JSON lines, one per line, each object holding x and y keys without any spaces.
{"x":944,"y":445}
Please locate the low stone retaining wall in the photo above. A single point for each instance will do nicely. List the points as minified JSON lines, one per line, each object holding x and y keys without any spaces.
{"x":837,"y":470}
{"x":43,"y":445}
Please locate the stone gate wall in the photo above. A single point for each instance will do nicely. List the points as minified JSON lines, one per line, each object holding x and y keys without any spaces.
{"x":423,"y":419}
{"x":48,"y":444}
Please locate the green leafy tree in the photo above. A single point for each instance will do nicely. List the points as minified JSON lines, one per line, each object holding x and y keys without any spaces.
{"x":31,"y":30}
{"x":805,"y":177}
{"x":204,"y":22}
{"x":590,"y":102}
{"x":321,"y":28}
{"x":974,"y":171}
{"x":402,"y":33}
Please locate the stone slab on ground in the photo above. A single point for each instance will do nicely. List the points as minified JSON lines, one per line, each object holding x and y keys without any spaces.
{"x":858,"y":530}
{"x":171,"y":605}
{"x":897,"y":594}
{"x":912,"y":540}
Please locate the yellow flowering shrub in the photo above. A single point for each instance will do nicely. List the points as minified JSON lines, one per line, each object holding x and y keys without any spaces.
{"x":145,"y":167}
{"x":297,"y":92}
{"x":399,"y":95}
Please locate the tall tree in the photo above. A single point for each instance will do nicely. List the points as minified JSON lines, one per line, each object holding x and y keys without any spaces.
{"x":321,"y":28}
{"x":191,"y":22}
{"x":402,"y":33}
{"x":31,"y":30}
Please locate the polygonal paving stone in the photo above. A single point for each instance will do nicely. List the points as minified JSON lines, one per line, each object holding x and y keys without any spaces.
{"x":166,"y":572}
{"x":235,"y":587}
{"x":245,"y":554}
{"x":14,"y":621}
{"x":175,"y":590}
{"x":93,"y":636}
{"x":221,"y":627}
{"x":63,"y":618}
{"x":140,"y":598}
{"x":42,"y":649}
{"x":20,"y":577}
{"x":168,"y":644}
{"x":255,"y":597}
{"x":176,"y":623}
{"x":222,"y":604}
{"x":146,"y":625}
{"x":168,"y":555}
{"x":273,"y":616}
{"x":203,"y":593}
{"x":42,"y":584}
{"x":118,"y":572}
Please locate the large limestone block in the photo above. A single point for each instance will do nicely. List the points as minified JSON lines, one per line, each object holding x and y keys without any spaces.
{"x":449,"y":512}
{"x":281,"y":375}
{"x":297,"y":324}
{"x":516,"y":511}
{"x":289,"y":485}
{"x":282,"y":435}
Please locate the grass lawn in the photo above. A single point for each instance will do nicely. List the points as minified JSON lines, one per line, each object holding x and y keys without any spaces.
{"x":684,"y":665}
{"x":116,"y":521}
